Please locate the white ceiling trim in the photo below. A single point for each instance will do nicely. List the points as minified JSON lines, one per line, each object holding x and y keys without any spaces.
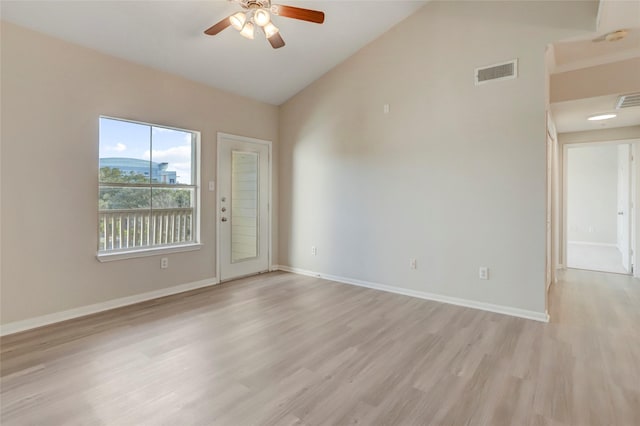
{"x":593,"y":62}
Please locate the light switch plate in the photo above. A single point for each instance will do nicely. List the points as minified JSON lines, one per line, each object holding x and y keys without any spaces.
{"x":483,"y":273}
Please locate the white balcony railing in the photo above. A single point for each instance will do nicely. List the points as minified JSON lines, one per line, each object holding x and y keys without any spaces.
{"x":131,"y":228}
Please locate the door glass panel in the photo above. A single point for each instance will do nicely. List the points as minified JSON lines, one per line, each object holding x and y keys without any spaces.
{"x":244,"y":205}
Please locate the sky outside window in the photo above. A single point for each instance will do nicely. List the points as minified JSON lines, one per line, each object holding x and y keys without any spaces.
{"x":123,"y":139}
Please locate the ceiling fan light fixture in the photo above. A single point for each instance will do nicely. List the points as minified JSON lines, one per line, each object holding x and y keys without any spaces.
{"x":248,"y":31}
{"x":270,"y":30}
{"x":261,"y":17}
{"x":257,"y":13}
{"x":238,"y":20}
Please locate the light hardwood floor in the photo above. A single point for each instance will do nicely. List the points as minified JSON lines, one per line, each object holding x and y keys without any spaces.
{"x":282,"y":349}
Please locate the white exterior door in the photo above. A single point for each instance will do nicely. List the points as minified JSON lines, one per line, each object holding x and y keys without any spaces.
{"x":624,"y":218}
{"x":243,"y":206}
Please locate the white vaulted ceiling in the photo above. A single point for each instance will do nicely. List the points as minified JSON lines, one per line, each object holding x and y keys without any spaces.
{"x":168,"y":35}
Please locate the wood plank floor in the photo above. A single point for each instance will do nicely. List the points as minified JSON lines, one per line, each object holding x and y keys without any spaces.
{"x":282,"y":349}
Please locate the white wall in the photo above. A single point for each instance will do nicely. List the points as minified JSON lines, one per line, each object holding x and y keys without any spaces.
{"x":52,"y":95}
{"x":454,"y":175}
{"x":592,"y":183}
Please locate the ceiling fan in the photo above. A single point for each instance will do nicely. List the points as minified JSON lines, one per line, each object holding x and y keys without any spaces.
{"x":257,"y":13}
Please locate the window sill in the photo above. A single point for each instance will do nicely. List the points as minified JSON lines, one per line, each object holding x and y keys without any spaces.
{"x":156,"y":251}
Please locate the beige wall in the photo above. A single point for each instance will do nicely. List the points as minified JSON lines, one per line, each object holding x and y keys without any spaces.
{"x":52,"y":95}
{"x":617,"y":77}
{"x":455,"y":174}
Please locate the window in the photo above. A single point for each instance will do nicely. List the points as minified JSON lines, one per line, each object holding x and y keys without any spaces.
{"x":148,"y":187}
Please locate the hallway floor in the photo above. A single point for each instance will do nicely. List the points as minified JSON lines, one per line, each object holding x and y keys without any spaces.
{"x":594,"y":258}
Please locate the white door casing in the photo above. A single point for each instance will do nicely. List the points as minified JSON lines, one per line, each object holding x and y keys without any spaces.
{"x":243,"y":199}
{"x":549,"y":258}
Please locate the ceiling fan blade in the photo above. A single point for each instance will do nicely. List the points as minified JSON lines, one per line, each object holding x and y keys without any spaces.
{"x":298,"y":13}
{"x":219,"y":26}
{"x":276,"y":41}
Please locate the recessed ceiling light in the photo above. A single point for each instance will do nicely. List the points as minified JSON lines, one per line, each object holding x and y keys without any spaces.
{"x":599,"y":117}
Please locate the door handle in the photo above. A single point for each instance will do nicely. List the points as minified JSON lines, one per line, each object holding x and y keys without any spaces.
{"x":224,"y":219}
{"x":620,"y":213}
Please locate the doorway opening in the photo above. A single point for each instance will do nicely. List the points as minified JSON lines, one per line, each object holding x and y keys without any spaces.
{"x":599,"y":192}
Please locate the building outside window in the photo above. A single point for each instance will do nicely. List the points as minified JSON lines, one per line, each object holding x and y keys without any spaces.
{"x":148,"y":187}
{"x":157,"y":171}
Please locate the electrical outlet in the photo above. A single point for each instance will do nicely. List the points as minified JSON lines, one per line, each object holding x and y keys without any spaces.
{"x":164,"y":263}
{"x":412,"y":263}
{"x":483,"y":273}
{"x":314,"y":251}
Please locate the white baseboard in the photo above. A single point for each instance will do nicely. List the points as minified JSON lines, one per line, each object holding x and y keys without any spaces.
{"x":506,"y":310}
{"x":18,"y":326}
{"x":28,"y":324}
{"x":589,"y":243}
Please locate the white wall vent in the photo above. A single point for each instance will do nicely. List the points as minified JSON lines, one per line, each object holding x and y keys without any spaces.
{"x":628,"y":101}
{"x":496,"y":72}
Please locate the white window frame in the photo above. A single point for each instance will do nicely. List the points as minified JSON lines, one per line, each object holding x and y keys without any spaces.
{"x":155,"y":250}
